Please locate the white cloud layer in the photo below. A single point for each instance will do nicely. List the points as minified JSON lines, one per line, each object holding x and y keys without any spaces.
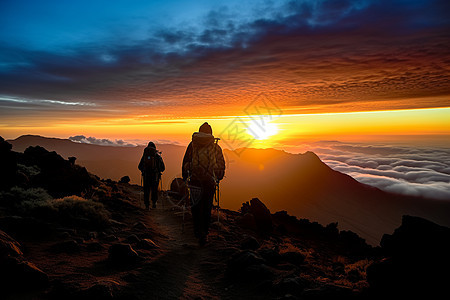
{"x":405,"y":170}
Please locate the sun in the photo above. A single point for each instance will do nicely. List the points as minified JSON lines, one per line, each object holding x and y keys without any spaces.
{"x":262,"y":130}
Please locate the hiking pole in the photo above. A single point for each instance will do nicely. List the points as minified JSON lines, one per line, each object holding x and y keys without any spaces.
{"x":217,"y":192}
{"x":218,"y":201}
{"x":163,"y":195}
{"x":140,"y":194}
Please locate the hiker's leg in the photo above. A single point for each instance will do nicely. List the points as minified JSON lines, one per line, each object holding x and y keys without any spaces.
{"x":196,"y":219}
{"x":196,"y":209}
{"x":146,"y":194}
{"x":154,"y":189}
{"x":208,"y":197}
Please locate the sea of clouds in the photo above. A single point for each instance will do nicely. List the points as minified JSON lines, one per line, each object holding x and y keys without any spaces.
{"x":423,"y":171}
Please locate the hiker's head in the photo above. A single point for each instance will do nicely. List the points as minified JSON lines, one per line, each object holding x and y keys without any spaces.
{"x":151,"y":145}
{"x":205,"y":128}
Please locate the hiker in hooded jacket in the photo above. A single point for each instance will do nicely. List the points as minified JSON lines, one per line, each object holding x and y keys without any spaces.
{"x":203,"y":167}
{"x":151,"y":166}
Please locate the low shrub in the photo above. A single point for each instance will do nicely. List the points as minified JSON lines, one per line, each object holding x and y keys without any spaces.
{"x":75,"y":211}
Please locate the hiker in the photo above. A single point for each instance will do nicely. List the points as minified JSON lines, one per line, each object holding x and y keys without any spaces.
{"x":203,"y":167}
{"x":151,"y":166}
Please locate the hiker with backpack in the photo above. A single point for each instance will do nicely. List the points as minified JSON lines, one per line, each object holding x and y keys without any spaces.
{"x":203,"y":167}
{"x":151,"y":166}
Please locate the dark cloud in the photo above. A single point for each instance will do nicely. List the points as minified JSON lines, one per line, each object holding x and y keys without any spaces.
{"x":304,"y":52}
{"x":405,"y":170}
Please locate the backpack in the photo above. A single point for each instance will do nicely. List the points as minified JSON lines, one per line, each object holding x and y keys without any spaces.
{"x":150,"y":161}
{"x":203,"y":161}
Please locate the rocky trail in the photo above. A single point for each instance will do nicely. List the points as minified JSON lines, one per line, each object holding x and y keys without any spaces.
{"x":183,"y":269}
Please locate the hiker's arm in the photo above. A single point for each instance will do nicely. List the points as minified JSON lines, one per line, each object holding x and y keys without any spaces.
{"x":220,"y":161}
{"x":141,"y":164}
{"x":186,"y":162}
{"x":162,"y":167}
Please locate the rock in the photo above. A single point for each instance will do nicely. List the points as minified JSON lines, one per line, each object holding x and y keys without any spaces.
{"x":111,"y":238}
{"x":417,"y":256}
{"x":328,"y":291}
{"x":417,"y":236}
{"x":94,"y":246}
{"x":70,"y":246}
{"x":291,"y":285}
{"x":25,"y":226}
{"x":352,"y":243}
{"x":132,"y":239}
{"x":263,"y":218}
{"x":258,"y":272}
{"x":292,"y":257}
{"x":271,"y":256}
{"x":147,"y":244}
{"x":18,"y":274}
{"x":140,"y":226}
{"x":122,"y":253}
{"x":338,"y":268}
{"x":249,"y":243}
{"x":117,"y":223}
{"x":102,"y":290}
{"x":8,"y":246}
{"x":242,"y":260}
{"x":229,"y":251}
{"x":247,"y":221}
{"x":64,"y":235}
{"x":354,"y":276}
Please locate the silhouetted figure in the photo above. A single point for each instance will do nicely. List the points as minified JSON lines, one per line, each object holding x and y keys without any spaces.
{"x":203,"y":167}
{"x":151,"y":166}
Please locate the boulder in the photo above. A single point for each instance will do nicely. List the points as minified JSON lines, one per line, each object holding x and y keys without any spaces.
{"x":295,"y":258}
{"x":247,"y":221}
{"x":140,"y":226}
{"x":8,"y":246}
{"x":263,"y":218}
{"x":258,"y":272}
{"x":132,"y":239}
{"x":416,"y":257}
{"x":291,"y":285}
{"x":271,"y":256}
{"x":244,"y":259}
{"x":122,"y":253}
{"x":70,"y":246}
{"x":147,"y":244}
{"x":249,"y":243}
{"x":16,"y":273}
{"x":106,"y":289}
{"x":327,"y":291}
{"x":94,"y":246}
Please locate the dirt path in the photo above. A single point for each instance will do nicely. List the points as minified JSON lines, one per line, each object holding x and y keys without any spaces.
{"x":183,"y":270}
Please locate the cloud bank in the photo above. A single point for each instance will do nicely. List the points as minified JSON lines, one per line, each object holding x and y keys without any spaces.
{"x":405,"y":170}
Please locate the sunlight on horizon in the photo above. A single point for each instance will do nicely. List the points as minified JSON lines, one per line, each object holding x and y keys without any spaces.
{"x":262,"y":131}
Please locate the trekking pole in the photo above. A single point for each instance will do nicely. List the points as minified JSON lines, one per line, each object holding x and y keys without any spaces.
{"x":140,"y":194}
{"x":217,"y":192}
{"x":161,"y":190}
{"x":218,"y":201}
